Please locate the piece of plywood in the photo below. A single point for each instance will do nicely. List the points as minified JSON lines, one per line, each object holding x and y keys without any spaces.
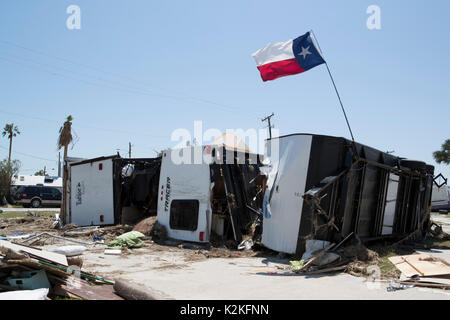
{"x":42,"y":254}
{"x":421,"y":264}
{"x":87,"y":292}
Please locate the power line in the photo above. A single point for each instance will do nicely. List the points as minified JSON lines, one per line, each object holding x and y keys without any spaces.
{"x":80,"y":126}
{"x":29,"y":155}
{"x":206,"y":101}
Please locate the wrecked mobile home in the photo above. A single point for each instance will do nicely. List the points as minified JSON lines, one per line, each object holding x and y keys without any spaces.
{"x":218,"y":196}
{"x":323,"y":187}
{"x":193,"y":202}
{"x":317,"y":187}
{"x":111,"y":190}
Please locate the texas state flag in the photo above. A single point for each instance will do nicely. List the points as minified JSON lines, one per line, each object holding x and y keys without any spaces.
{"x":280,"y":59}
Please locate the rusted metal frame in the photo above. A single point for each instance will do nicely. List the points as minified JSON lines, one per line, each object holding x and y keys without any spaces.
{"x":361,"y":188}
{"x":315,"y":198}
{"x":227,"y":184}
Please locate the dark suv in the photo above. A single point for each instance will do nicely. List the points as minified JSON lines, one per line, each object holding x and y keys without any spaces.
{"x":36,"y":196}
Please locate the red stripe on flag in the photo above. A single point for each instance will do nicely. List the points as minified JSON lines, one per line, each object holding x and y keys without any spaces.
{"x":278,"y":69}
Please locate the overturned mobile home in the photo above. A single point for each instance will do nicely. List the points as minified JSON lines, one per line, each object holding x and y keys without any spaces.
{"x":216,"y":195}
{"x":323,"y":187}
{"x":112,"y":190}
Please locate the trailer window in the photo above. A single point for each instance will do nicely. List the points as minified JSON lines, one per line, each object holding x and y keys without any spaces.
{"x":184,"y":214}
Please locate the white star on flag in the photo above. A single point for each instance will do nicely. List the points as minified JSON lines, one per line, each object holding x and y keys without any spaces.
{"x":304,"y":52}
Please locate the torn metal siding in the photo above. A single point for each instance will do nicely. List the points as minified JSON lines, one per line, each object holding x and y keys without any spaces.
{"x":242,"y":187}
{"x":140,"y":189}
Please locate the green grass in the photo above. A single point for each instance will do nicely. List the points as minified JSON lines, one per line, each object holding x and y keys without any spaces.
{"x":387,"y":268}
{"x":24,"y":214}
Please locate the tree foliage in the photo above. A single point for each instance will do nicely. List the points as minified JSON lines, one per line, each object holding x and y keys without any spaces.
{"x":39,"y":173}
{"x":443,"y":155}
{"x":65,"y":133}
{"x":7,"y":171}
{"x":10,"y":130}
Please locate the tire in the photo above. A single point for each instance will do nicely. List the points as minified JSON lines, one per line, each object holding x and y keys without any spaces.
{"x":35,"y":203}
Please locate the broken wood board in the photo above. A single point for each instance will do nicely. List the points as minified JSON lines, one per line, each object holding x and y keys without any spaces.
{"x":432,"y":280}
{"x":423,"y":265}
{"x":42,"y":254}
{"x":427,"y":284}
{"x":86,"y":291}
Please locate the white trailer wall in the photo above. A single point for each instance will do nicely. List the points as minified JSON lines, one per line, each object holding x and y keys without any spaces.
{"x":91,"y":200}
{"x":185,"y":181}
{"x":287,"y":182}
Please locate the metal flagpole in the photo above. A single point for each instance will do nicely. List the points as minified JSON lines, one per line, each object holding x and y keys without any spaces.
{"x":335,"y":88}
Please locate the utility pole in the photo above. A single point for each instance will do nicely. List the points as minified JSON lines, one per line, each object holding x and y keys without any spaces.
{"x":44,"y":171}
{"x":129,"y":150}
{"x":269,"y":125}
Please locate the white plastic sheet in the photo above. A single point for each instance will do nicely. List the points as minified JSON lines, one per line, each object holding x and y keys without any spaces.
{"x":38,"y":294}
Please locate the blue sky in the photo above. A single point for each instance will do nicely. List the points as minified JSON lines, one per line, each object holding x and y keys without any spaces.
{"x":137,"y":70}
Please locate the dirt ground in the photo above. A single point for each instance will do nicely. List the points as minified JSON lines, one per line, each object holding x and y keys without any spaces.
{"x":38,"y":224}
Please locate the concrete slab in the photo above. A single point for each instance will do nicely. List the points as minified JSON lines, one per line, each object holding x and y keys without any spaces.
{"x":238,"y":278}
{"x":182,"y":274}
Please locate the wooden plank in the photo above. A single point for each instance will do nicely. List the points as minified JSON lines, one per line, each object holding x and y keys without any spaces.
{"x":42,"y":254}
{"x":434,"y":280}
{"x":421,"y":264}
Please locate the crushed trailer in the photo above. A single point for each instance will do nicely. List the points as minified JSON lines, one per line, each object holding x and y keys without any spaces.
{"x":218,"y":196}
{"x":323,"y":187}
{"x":111,"y":190}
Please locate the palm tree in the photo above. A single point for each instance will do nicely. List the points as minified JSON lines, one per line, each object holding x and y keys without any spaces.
{"x":64,"y":139}
{"x":11,"y":131}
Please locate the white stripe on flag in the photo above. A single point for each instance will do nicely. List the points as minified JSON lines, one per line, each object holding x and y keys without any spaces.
{"x":276,"y":51}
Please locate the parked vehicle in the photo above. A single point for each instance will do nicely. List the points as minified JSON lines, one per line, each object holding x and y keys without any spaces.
{"x":440,"y":199}
{"x":31,"y":180}
{"x":38,"y":196}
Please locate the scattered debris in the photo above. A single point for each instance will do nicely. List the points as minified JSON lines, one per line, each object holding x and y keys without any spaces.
{"x":38,"y":294}
{"x":132,"y":239}
{"x":435,"y":283}
{"x":57,"y":237}
{"x":24,"y":267}
{"x":246,"y":244}
{"x":297,"y":265}
{"x":145,"y":226}
{"x":395,"y":286}
{"x":113,"y":251}
{"x":420,"y":264}
{"x":437,"y":232}
{"x":70,"y":251}
{"x":134,"y":291}
{"x":39,"y":254}
{"x":29,"y":280}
